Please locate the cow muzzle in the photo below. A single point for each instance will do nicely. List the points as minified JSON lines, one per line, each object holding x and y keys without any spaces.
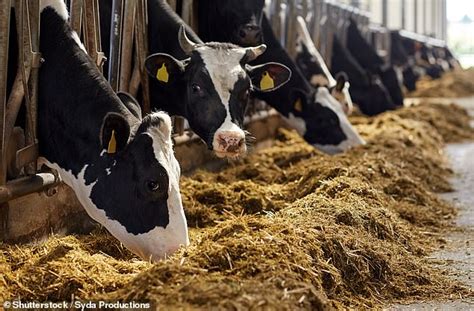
{"x":229,"y":144}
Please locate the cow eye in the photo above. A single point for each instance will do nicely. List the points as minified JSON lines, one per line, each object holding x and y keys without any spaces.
{"x":153,"y":185}
{"x":196,"y":88}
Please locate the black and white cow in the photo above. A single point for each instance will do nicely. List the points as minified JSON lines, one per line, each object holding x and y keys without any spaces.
{"x":368,"y":58}
{"x":121,"y":166}
{"x":240,"y":21}
{"x":399,"y":58}
{"x":316,"y":115}
{"x":367,"y":91}
{"x":207,"y":83}
{"x":315,"y":70}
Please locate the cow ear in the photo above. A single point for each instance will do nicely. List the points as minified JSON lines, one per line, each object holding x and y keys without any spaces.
{"x":115,"y":133}
{"x":131,"y":103}
{"x":268,"y":77}
{"x":164,"y":68}
{"x":341,"y":79}
{"x":298,"y":101}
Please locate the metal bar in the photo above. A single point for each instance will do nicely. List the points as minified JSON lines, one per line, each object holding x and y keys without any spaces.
{"x":403,"y":9}
{"x":127,"y":46}
{"x":291,"y":30}
{"x":76,"y":15}
{"x":415,"y":15}
{"x":32,"y":110}
{"x":5,"y":6}
{"x":115,"y":43}
{"x":92,"y":32}
{"x":27,"y":185}
{"x":142,"y":52}
{"x":384,"y":13}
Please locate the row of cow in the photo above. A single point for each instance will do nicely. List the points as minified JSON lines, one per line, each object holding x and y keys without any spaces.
{"x":121,"y":163}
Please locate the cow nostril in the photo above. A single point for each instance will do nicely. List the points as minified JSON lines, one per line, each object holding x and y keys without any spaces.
{"x":242,"y":33}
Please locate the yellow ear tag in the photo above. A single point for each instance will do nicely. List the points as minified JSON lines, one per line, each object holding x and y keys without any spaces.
{"x":162,"y":74}
{"x":298,"y":105}
{"x":267,"y":82}
{"x":112,"y":148}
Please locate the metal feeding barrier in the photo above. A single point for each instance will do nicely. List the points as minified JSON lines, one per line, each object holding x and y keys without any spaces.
{"x":19,"y":158}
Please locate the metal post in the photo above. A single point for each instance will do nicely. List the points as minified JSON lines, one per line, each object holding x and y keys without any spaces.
{"x":142,"y":51}
{"x":4,"y":39}
{"x":384,"y":13}
{"x":403,"y":9}
{"x":92,"y":32}
{"x":115,"y":43}
{"x":76,"y":15}
{"x":127,"y":46}
{"x":415,"y":15}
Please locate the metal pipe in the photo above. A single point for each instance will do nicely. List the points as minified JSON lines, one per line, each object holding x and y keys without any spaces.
{"x":5,"y":7}
{"x":27,"y":185}
{"x":92,"y":32}
{"x":76,"y":15}
{"x":142,"y":52}
{"x":115,"y":43}
{"x":127,"y":46}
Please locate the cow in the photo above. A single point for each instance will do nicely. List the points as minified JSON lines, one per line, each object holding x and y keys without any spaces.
{"x":120,"y":165}
{"x":240,"y":21}
{"x":313,"y":112}
{"x":207,"y":83}
{"x":400,"y":59}
{"x":368,"y":58}
{"x":422,"y":60}
{"x":315,"y":70}
{"x":367,"y":90}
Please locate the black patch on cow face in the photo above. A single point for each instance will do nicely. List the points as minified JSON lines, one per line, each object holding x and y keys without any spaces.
{"x":390,"y":80}
{"x":322,"y":123}
{"x":373,"y":99}
{"x":140,"y":204}
{"x":409,"y":78}
{"x":307,"y":63}
{"x":235,"y":20}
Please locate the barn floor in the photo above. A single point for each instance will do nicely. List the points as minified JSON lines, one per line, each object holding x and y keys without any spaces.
{"x":458,"y":253}
{"x":289,"y":227}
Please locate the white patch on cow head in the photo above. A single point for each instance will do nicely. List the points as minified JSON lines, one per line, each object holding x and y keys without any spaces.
{"x":225,"y":69}
{"x":296,"y":123}
{"x":344,"y":98}
{"x":353,"y":139}
{"x":319,"y":80}
{"x":58,"y":5}
{"x":75,"y":37}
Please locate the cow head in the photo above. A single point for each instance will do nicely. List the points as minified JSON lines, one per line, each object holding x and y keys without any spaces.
{"x":217,"y":84}
{"x":319,"y":118}
{"x":239,"y":21}
{"x":340,"y":91}
{"x":134,"y":187}
{"x":373,"y":98}
{"x":393,"y":84}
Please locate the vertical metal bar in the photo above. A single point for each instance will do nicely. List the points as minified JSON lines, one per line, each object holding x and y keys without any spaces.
{"x":291,"y":31}
{"x":403,"y":9}
{"x":92,"y":32}
{"x":384,"y":13}
{"x":415,"y":15}
{"x":76,"y":15}
{"x":31,"y":29}
{"x":127,"y":46}
{"x":115,"y":43}
{"x":5,"y":6}
{"x":142,"y":51}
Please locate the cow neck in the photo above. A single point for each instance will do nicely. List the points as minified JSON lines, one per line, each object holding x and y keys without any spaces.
{"x":74,"y":98}
{"x":280,"y":98}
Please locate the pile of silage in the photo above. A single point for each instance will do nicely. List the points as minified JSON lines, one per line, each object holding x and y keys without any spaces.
{"x":453,"y":84}
{"x":287,"y":227}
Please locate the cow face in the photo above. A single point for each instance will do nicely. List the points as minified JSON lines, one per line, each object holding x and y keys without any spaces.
{"x":340,"y":92}
{"x":319,"y":118}
{"x":392,"y":83}
{"x":242,"y":21}
{"x":373,"y":98}
{"x":136,"y":194}
{"x":218,"y":83}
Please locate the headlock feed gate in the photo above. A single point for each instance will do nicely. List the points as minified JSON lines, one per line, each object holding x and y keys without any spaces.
{"x":33,"y":201}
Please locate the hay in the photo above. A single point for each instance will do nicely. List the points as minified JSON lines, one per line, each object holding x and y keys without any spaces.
{"x":287,"y":227}
{"x":453,"y":84}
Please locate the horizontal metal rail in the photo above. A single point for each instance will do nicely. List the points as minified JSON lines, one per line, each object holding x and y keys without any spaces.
{"x":27,"y":185}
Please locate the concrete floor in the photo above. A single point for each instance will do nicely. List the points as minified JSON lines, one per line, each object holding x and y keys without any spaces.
{"x":458,"y":254}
